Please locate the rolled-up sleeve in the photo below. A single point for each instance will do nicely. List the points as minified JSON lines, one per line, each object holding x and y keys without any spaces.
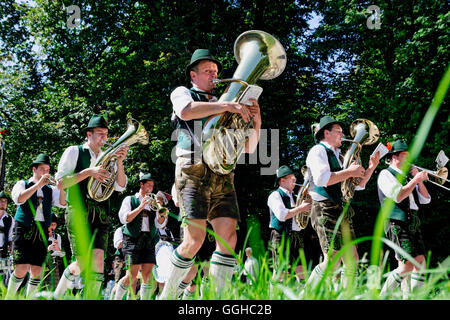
{"x":67,"y":163}
{"x":55,"y":198}
{"x":18,"y":188}
{"x":118,"y":236}
{"x":180,"y":98}
{"x":277,"y":206}
{"x":389,"y":185}
{"x":317,"y":162}
{"x":125,"y":208}
{"x":422,"y":199}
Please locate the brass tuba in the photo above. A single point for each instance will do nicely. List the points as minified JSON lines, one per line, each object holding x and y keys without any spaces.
{"x":100,"y":191}
{"x":260,"y":56}
{"x":302,"y":218}
{"x":363,"y":132}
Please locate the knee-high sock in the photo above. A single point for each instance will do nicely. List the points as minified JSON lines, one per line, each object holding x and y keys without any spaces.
{"x":315,"y":276}
{"x":66,"y":279}
{"x":393,"y":281}
{"x":120,"y":291}
{"x":13,"y":284}
{"x":348,"y":274}
{"x":178,"y":269}
{"x":93,"y":291}
{"x":145,"y":291}
{"x":221,"y":270}
{"x":417,"y":280}
{"x":187,"y":295}
{"x":32,"y":287}
{"x":183,"y":285}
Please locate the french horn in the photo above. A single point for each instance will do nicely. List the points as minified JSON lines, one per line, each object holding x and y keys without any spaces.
{"x":101,"y":191}
{"x":363,"y":132}
{"x":260,"y":56}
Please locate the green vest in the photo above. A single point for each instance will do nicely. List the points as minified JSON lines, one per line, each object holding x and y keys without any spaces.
{"x":186,"y":134}
{"x":83,"y":162}
{"x":25,"y":215}
{"x":133,"y":228}
{"x":332,"y":192}
{"x":402,"y":208}
{"x":282,"y":226}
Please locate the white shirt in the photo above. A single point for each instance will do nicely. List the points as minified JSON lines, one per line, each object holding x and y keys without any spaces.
{"x":389,"y":187}
{"x":319,"y":168}
{"x":19,"y":187}
{"x":118,"y":237}
{"x":125,"y":209}
{"x":277,"y":207}
{"x":10,"y":233}
{"x":68,"y":163}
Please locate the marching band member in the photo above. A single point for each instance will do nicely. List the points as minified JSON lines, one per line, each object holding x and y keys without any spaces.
{"x":140,"y":236}
{"x":76,"y":166}
{"x":403,"y":225}
{"x":34,"y":199}
{"x":6,"y":233}
{"x":283,"y":211}
{"x":325,"y":166}
{"x":204,"y":195}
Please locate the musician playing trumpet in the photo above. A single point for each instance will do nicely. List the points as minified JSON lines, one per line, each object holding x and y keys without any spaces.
{"x":34,"y":199}
{"x":140,"y":236}
{"x":325,"y":167}
{"x":283,"y":211}
{"x":76,"y":166}
{"x":403,"y":225}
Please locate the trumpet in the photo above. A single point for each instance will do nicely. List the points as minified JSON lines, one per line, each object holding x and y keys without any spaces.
{"x":155,"y":206}
{"x":440,"y":176}
{"x":51,"y":180}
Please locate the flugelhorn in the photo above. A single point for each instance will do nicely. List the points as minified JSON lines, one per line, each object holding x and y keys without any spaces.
{"x":260,"y":56}
{"x":155,"y":206}
{"x":302,"y":218}
{"x":363,"y":132}
{"x":101,"y":191}
{"x":440,"y":176}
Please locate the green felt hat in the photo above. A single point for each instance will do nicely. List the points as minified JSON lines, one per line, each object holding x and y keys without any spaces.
{"x":4,"y":195}
{"x":41,"y":159}
{"x":146,"y":177}
{"x":324,"y":122}
{"x":282,"y":171}
{"x":199,"y":55}
{"x":398,"y":146}
{"x":97,"y":121}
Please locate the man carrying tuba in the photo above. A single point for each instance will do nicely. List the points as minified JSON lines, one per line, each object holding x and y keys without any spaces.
{"x":204,"y":195}
{"x":76,"y":166}
{"x":326,"y":171}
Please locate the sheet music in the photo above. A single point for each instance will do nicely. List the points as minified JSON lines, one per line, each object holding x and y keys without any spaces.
{"x":382,"y":149}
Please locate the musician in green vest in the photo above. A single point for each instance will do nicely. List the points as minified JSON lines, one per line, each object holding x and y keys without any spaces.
{"x":204,"y":195}
{"x":76,"y":166}
{"x":34,"y":199}
{"x":403,"y":225}
{"x":325,"y":168}
{"x":140,"y":236}
{"x":6,"y":233}
{"x":282,"y":223}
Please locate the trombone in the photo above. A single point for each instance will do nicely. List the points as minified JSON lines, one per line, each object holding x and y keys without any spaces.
{"x":440,"y":176}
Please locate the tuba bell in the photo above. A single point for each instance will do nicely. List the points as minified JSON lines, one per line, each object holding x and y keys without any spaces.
{"x":363,"y":132}
{"x":302,"y":218}
{"x":260,"y":56}
{"x":101,"y":191}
